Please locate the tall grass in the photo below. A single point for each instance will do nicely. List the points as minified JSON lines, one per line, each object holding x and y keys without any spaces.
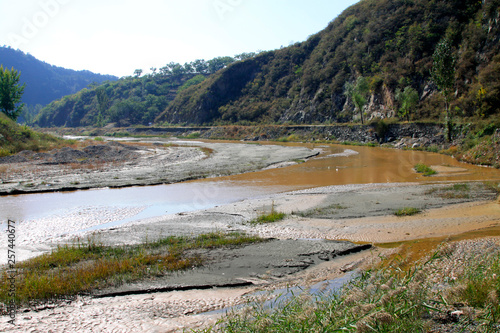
{"x":454,"y":290}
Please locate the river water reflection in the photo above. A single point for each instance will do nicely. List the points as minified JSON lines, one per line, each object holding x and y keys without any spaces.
{"x":336,"y":165}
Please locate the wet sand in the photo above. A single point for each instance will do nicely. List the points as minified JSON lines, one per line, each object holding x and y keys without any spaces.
{"x":316,"y":218}
{"x":151,"y":162}
{"x":304,"y":245}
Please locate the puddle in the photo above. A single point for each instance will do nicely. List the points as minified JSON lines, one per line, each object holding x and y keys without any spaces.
{"x":280,"y":297}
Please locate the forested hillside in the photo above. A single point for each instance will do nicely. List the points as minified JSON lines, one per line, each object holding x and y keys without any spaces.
{"x":131,"y":100}
{"x":46,"y":83}
{"x":389,"y":43}
{"x":376,"y":60}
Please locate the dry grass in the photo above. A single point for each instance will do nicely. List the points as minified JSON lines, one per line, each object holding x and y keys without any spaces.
{"x":455,"y":289}
{"x":86,"y":266}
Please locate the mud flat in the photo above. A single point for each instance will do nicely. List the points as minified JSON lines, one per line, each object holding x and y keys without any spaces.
{"x":152,"y":162}
{"x":301,"y":249}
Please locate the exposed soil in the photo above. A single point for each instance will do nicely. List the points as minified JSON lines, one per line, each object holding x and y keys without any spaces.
{"x":114,"y":164}
{"x":313,"y":243}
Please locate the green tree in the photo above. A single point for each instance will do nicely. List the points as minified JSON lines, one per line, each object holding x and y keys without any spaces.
{"x":10,"y":93}
{"x":138,"y":72}
{"x":218,"y":63}
{"x":102,"y":105}
{"x":408,"y":100}
{"x":358,"y":93}
{"x":443,"y":75}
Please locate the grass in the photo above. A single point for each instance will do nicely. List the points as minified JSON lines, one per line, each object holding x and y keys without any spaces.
{"x":464,"y":190}
{"x":407,"y":211}
{"x":15,"y":138}
{"x":273,"y":216}
{"x":426,"y":170}
{"x":194,"y":135}
{"x":86,"y":266}
{"x":454,"y":289}
{"x":320,"y":212}
{"x":269,"y":218}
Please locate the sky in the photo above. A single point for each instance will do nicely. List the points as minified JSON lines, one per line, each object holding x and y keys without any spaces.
{"x":117,"y":37}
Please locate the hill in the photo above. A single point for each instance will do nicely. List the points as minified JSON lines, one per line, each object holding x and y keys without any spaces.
{"x":130,"y":100}
{"x":126,"y":102}
{"x":388,"y":42}
{"x":46,"y":83}
{"x":15,"y":138}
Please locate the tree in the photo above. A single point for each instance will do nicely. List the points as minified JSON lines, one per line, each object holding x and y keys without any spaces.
{"x":102,"y":105}
{"x":358,"y":92}
{"x":200,"y":66}
{"x":11,"y":92}
{"x":218,"y":63}
{"x":408,"y":99}
{"x":138,"y":72}
{"x":443,"y":75}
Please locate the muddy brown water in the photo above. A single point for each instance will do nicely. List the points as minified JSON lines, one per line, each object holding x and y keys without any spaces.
{"x":336,"y":165}
{"x":343,"y":165}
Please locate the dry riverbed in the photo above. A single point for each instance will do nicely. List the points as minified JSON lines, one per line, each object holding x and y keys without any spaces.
{"x":301,"y":250}
{"x":314,"y":242}
{"x":115,"y":164}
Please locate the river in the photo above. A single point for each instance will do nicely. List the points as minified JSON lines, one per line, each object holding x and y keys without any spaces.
{"x":336,"y":165}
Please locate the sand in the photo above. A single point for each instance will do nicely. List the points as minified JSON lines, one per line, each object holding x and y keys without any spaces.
{"x":302,"y":248}
{"x":319,"y":216}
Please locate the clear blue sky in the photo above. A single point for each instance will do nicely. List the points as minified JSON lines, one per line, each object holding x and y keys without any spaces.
{"x":118,"y":36}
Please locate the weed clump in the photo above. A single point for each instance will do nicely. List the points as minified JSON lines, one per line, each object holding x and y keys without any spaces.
{"x":407,"y":211}
{"x":273,"y":216}
{"x":426,"y":170}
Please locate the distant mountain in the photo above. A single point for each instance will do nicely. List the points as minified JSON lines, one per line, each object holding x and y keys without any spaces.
{"x":390,"y":43}
{"x":46,"y":83}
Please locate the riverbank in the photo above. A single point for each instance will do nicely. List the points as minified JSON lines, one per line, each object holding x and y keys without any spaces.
{"x":477,"y":144}
{"x":153,"y":162}
{"x":327,"y":213}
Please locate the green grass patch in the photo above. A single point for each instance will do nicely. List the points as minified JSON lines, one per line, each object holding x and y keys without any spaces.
{"x":269,"y":218}
{"x":273,"y":216}
{"x":86,"y":266}
{"x":407,"y":211}
{"x":426,"y":170}
{"x":194,"y":135}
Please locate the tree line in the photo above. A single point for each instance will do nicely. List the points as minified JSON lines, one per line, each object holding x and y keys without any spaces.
{"x":199,"y":66}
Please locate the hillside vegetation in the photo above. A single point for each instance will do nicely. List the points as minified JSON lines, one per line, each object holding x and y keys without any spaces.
{"x":15,"y":138}
{"x":388,"y":42}
{"x":388,"y":45}
{"x":44,"y":82}
{"x":131,"y":100}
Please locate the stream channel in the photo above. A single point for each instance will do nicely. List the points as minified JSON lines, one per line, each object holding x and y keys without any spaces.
{"x":335,"y":165}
